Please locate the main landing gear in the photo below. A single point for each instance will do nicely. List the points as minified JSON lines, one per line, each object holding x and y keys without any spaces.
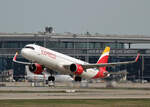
{"x":78,"y":79}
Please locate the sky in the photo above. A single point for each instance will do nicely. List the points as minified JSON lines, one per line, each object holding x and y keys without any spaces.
{"x":130,"y":17}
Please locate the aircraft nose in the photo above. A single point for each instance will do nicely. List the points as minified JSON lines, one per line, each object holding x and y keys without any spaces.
{"x":23,"y":52}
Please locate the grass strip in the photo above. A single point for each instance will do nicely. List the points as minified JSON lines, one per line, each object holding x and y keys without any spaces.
{"x":75,"y":103}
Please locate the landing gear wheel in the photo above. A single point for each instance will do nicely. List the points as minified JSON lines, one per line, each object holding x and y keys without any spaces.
{"x":51,"y":81}
{"x":51,"y":78}
{"x":78,"y":79}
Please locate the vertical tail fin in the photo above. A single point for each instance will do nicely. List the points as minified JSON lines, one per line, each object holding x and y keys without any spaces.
{"x":104,"y":57}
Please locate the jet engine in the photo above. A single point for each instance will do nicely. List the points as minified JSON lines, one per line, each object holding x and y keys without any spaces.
{"x":76,"y":69}
{"x":36,"y":68}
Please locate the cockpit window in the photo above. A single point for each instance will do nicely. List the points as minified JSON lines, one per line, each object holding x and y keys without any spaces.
{"x":29,"y":47}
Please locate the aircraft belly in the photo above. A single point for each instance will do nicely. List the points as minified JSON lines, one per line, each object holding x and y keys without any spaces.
{"x":89,"y":73}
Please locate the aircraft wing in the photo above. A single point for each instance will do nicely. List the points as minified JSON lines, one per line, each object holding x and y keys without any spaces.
{"x":15,"y":57}
{"x":86,"y":66}
{"x":109,"y":64}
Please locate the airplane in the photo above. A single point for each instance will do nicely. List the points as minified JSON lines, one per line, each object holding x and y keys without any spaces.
{"x":41,"y":57}
{"x":44,"y":77}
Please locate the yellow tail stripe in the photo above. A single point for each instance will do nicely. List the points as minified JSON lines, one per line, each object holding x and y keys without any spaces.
{"x":107,"y":49}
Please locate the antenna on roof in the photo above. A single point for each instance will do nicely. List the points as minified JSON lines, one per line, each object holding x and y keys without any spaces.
{"x":48,"y":29}
{"x":35,"y":36}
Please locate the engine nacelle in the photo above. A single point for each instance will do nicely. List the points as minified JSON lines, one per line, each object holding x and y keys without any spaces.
{"x":36,"y":68}
{"x":76,"y":69}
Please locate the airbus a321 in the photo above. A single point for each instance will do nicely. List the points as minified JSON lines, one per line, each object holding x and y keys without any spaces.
{"x":42,"y":57}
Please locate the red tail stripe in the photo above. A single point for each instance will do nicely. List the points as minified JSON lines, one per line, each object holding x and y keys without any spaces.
{"x":100,"y":74}
{"x":97,"y":75}
{"x":103,"y":59}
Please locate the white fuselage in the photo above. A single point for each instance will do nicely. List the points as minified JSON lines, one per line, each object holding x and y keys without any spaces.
{"x":54,"y":60}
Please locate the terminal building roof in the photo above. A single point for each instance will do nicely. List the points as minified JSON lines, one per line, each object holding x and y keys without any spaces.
{"x":111,"y":38}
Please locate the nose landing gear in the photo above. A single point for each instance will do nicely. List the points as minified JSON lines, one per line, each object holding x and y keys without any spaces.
{"x":51,"y":78}
{"x":51,"y":81}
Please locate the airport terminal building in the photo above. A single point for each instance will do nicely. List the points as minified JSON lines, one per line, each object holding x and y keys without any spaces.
{"x":86,"y":47}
